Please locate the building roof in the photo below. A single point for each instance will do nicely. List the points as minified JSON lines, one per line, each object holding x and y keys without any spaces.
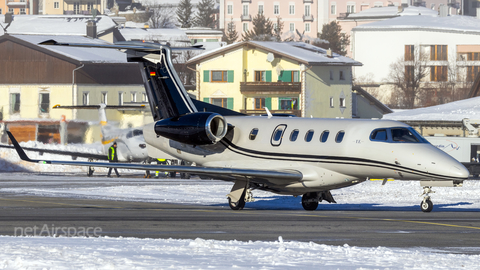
{"x":298,"y":51}
{"x":382,"y":107}
{"x":56,"y":24}
{"x":392,"y":11}
{"x":82,"y":55}
{"x":176,"y":37}
{"x":463,"y":24}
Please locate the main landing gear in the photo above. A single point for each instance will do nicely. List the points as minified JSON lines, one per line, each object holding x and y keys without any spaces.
{"x":310,"y":200}
{"x":426,"y":205}
{"x":246,"y":196}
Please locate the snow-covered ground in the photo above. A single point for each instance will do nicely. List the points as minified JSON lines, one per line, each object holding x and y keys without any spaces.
{"x":41,"y":252}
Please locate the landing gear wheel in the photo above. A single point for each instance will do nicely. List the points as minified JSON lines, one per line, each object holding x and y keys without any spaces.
{"x":184,"y":175}
{"x":90,"y":169}
{"x":426,"y":206}
{"x":308,"y":202}
{"x":237,"y":205}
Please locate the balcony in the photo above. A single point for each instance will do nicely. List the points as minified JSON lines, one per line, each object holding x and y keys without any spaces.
{"x":308,"y":1}
{"x":297,"y":113}
{"x":246,"y":1}
{"x":342,"y":16}
{"x":17,"y":4}
{"x":308,"y":18}
{"x":244,"y":18}
{"x":77,"y":12}
{"x":270,"y":88}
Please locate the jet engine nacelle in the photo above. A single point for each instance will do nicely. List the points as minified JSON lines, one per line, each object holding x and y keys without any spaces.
{"x":195,"y":128}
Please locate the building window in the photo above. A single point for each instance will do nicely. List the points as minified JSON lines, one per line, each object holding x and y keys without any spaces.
{"x":276,"y":9}
{"x":331,"y":102}
{"x":342,"y":76}
{"x":343,"y":103}
{"x":220,"y":76}
{"x":307,"y":10}
{"x":1,"y":11}
{"x":307,"y":27}
{"x":472,"y":72}
{"x":259,"y":103}
{"x":260,"y":9}
{"x":56,"y":5}
{"x":120,"y":98}
{"x":288,"y":104}
{"x":86,"y":98}
{"x":260,"y":76}
{"x":10,"y":10}
{"x":44,"y":102}
{"x":291,"y":9}
{"x":245,"y":27}
{"x":409,"y":73}
{"x":333,"y":9}
{"x":14,"y":103}
{"x":409,"y":52}
{"x":438,"y":73}
{"x":292,"y":27}
{"x":351,"y":8}
{"x":133,"y":96}
{"x":245,"y":10}
{"x":103,"y":98}
{"x":76,"y":7}
{"x":89,"y":6}
{"x":230,"y":9}
{"x":221,"y":102}
{"x":22,"y":11}
{"x":438,"y":53}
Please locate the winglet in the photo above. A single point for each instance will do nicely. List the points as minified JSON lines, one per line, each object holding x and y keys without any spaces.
{"x":268,"y":112}
{"x":17,"y":146}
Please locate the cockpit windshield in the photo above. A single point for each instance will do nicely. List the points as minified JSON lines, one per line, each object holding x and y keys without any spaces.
{"x":397,"y":135}
{"x":135,"y":132}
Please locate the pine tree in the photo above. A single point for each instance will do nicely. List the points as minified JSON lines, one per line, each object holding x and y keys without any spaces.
{"x":204,"y":17}
{"x":338,"y":41}
{"x":262,"y":29}
{"x":231,"y":34}
{"x":185,"y":13}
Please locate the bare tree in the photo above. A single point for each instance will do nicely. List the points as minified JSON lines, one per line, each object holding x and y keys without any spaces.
{"x":406,"y":76}
{"x":162,"y":15}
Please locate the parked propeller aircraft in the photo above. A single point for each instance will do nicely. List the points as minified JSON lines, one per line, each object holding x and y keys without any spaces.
{"x":283,"y":155}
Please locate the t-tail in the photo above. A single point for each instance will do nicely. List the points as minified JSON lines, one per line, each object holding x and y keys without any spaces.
{"x":166,"y":94}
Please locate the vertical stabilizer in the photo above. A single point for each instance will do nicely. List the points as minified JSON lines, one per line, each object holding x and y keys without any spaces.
{"x":102,"y":114}
{"x":166,"y":94}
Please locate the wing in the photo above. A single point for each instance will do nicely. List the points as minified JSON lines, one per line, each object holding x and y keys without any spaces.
{"x":74,"y":155}
{"x":267,"y":177}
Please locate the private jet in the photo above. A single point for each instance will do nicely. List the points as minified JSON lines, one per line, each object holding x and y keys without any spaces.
{"x":305,"y":157}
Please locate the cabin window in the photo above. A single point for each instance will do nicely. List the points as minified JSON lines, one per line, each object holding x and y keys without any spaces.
{"x":294,"y":135}
{"x":277,"y":135}
{"x":404,"y":135}
{"x":324,"y":136}
{"x":339,"y":137}
{"x":253,"y":134}
{"x":309,"y":135}
{"x":379,"y":135}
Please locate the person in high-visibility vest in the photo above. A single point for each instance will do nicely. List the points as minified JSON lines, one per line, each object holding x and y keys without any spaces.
{"x":113,"y":157}
{"x":161,"y":161}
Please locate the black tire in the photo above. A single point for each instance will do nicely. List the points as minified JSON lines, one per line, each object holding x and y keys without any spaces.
{"x":426,"y":206}
{"x":238,"y":205}
{"x":307,"y":204}
{"x":90,"y":171}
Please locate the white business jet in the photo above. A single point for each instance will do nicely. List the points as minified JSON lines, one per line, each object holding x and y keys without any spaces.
{"x":283,"y":155}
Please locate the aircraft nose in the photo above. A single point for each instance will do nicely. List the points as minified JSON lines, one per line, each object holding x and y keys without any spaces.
{"x":459,"y":171}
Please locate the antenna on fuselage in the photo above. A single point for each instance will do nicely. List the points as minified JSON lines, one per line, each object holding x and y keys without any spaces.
{"x":268,"y":112}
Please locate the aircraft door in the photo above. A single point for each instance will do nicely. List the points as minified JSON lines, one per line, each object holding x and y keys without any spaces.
{"x":277,"y":135}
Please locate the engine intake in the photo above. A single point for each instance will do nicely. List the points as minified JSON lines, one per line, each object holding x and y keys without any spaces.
{"x":195,"y":128}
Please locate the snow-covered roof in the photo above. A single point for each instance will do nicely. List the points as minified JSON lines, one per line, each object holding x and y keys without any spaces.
{"x":453,"y":111}
{"x":56,"y":24}
{"x":453,"y":23}
{"x":87,"y":55}
{"x":392,"y":11}
{"x":176,"y":37}
{"x":300,"y":51}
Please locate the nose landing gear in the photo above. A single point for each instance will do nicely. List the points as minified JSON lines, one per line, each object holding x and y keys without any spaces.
{"x":426,"y":205}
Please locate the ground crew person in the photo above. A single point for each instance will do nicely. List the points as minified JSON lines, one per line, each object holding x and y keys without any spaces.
{"x":113,"y":157}
{"x":161,"y":161}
